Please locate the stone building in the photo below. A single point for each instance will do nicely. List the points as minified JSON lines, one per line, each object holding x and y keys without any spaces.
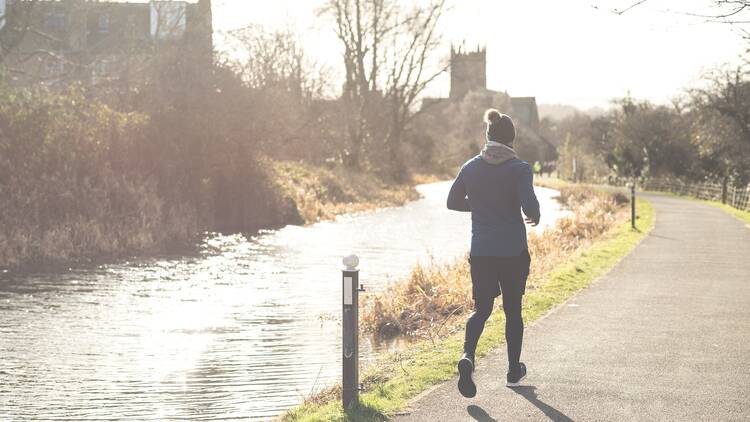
{"x":468,"y":75}
{"x":468,"y":72}
{"x":55,"y":41}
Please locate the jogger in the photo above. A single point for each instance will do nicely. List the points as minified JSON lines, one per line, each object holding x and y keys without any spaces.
{"x":495,"y":186}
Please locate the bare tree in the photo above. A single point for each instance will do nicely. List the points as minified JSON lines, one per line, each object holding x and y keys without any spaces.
{"x":731,"y":12}
{"x":729,"y":95}
{"x":285,"y":89}
{"x":360,"y":26}
{"x":410,"y":70}
{"x":727,"y":11}
{"x":388,"y":54}
{"x":276,"y":59}
{"x":15,"y":23}
{"x":150,"y":70}
{"x":722,"y":124}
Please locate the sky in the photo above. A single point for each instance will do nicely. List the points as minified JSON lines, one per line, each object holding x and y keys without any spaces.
{"x":575,"y":52}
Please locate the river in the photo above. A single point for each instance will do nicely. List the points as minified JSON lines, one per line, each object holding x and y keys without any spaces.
{"x":244,"y":328}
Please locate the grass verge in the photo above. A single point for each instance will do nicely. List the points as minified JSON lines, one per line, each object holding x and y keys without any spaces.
{"x":399,"y":377}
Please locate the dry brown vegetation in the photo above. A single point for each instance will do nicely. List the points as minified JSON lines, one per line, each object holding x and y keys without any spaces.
{"x":427,"y":303}
{"x":321,"y":193}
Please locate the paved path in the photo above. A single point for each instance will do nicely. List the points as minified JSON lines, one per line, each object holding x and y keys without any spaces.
{"x":664,"y":336}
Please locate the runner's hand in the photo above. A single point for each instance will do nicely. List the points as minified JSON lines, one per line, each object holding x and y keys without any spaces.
{"x":531,"y":222}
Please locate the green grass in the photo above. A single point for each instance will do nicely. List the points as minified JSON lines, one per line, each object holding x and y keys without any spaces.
{"x":406,"y":374}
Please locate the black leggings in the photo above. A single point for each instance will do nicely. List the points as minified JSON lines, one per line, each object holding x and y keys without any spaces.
{"x":513,"y":325}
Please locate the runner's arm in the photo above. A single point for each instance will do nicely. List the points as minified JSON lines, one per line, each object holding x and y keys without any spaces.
{"x":529,"y":203}
{"x":457,"y":200}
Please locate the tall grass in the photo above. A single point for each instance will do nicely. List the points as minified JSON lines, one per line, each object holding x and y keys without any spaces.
{"x":80,"y":180}
{"x":428,"y":302}
{"x":320,"y":193}
{"x":67,"y":185}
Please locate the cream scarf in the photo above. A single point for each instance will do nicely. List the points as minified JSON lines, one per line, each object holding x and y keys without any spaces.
{"x":497,"y":153}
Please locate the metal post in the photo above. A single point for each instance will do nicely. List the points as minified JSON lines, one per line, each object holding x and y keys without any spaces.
{"x":350,"y":324}
{"x":632,"y":205}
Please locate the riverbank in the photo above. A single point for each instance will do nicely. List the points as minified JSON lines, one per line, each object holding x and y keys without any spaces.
{"x":322,"y":193}
{"x":399,"y":377}
{"x":83,"y":182}
{"x":295,"y":193}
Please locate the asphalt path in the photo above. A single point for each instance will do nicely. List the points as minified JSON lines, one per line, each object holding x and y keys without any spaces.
{"x":663,"y":336}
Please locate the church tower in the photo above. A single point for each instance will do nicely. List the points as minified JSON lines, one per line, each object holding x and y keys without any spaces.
{"x":468,"y":71}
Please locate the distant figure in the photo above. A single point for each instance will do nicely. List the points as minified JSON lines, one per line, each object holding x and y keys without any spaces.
{"x":494,"y":186}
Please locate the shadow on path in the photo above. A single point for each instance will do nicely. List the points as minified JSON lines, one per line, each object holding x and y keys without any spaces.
{"x":663,"y":237}
{"x":479,"y":414}
{"x":529,"y":393}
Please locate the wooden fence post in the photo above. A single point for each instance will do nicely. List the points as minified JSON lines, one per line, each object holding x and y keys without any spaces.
{"x":632,"y":205}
